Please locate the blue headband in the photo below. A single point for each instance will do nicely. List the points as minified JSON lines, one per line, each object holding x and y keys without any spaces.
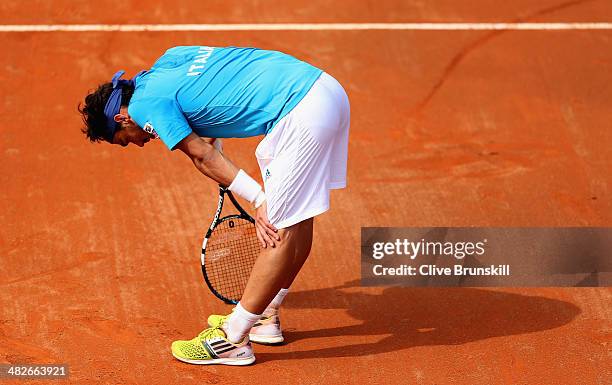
{"x":113,"y":105}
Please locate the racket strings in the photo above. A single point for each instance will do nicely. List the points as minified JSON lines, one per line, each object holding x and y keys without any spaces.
{"x":230,"y":254}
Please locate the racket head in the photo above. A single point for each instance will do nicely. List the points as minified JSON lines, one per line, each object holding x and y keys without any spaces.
{"x":229,"y":251}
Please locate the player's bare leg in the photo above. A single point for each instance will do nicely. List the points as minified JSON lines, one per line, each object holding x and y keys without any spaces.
{"x":302,"y":252}
{"x":275,"y":268}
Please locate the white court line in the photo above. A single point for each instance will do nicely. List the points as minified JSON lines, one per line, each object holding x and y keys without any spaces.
{"x":305,"y":27}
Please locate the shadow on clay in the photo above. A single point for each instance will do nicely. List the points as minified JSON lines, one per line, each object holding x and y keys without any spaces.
{"x":410,"y":317}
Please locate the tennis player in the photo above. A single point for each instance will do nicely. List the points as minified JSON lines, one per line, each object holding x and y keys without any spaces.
{"x":192,"y":97}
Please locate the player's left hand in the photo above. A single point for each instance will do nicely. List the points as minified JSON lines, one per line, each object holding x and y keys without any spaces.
{"x":266,"y":232}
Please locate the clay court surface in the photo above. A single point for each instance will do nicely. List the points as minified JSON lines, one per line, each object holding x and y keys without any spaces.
{"x":99,"y":246}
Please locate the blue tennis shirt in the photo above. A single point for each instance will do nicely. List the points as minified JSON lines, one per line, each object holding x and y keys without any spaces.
{"x":218,"y":92}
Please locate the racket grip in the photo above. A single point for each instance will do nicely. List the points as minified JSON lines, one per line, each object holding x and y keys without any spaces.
{"x":218,"y":144}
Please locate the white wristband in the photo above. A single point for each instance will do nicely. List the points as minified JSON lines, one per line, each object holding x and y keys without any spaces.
{"x":261,"y":198}
{"x":245,"y":186}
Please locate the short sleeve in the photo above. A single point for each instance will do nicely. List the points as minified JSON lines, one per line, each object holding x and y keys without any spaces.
{"x":164,"y":116}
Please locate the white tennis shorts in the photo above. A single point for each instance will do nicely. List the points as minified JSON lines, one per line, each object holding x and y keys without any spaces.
{"x":305,"y":154}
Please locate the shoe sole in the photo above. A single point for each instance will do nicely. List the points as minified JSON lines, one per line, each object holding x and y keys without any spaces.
{"x":266,"y":340}
{"x":219,"y":361}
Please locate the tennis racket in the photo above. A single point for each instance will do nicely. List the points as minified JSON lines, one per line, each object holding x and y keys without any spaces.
{"x":229,"y":250}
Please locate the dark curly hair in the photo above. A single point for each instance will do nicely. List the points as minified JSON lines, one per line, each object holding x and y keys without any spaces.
{"x":93,"y":110}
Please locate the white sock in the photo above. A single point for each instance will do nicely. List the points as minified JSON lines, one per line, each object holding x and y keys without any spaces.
{"x":276,"y":302}
{"x":239,"y":324}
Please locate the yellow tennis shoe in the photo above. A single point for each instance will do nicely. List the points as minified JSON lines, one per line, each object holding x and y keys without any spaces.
{"x":211,"y":347}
